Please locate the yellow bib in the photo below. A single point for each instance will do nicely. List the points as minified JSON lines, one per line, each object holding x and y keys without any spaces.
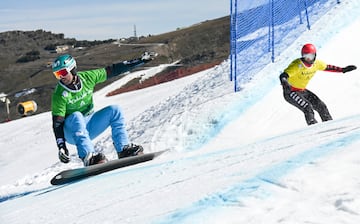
{"x":300,"y":75}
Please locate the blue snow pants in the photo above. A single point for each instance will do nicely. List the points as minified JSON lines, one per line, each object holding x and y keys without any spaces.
{"x":80,"y":130}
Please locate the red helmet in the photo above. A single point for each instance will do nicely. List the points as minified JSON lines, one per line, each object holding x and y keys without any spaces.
{"x":308,"y":53}
{"x":308,"y":49}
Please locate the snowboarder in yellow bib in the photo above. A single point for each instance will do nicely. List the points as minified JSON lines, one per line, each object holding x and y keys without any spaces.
{"x":296,"y":77}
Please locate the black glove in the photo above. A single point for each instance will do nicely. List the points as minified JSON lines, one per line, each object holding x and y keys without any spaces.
{"x":63,"y":151}
{"x":284,"y":82}
{"x":64,"y":155}
{"x":348,"y":68}
{"x":286,"y":86}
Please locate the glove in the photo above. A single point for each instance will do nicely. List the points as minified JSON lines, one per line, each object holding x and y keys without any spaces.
{"x":286,"y":86}
{"x":64,"y":155}
{"x":63,"y":151}
{"x":348,"y":68}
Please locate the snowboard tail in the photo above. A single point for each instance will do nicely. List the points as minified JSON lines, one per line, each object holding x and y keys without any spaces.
{"x":68,"y":176}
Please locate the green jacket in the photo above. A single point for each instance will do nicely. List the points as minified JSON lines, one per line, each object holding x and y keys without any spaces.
{"x":66,"y":101}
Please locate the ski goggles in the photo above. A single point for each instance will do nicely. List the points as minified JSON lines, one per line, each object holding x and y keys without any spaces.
{"x":309,"y":57}
{"x":61,"y":73}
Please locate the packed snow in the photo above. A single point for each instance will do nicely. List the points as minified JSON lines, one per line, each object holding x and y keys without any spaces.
{"x":234,"y":157}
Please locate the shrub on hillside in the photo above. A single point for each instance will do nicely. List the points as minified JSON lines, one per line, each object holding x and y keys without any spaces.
{"x":29,"y":56}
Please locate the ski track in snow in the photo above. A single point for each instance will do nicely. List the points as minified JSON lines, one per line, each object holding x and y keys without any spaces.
{"x":329,"y":138}
{"x":182,"y":173}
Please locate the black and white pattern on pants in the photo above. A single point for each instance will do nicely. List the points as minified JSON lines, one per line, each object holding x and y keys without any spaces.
{"x":301,"y":102}
{"x":307,"y":102}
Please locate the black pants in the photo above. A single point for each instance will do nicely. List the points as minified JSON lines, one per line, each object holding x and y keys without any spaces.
{"x":307,"y":102}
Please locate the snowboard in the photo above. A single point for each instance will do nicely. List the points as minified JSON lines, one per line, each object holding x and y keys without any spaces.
{"x":68,"y":176}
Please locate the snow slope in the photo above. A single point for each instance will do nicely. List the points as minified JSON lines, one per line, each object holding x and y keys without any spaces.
{"x":245,"y":157}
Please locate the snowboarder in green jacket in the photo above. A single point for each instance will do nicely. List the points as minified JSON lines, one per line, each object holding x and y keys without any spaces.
{"x":74,"y":119}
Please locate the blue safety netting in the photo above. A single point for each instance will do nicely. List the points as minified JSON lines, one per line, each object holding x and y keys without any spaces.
{"x":260,"y":29}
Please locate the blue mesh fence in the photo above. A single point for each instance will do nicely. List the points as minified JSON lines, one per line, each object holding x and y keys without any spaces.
{"x":261,"y":29}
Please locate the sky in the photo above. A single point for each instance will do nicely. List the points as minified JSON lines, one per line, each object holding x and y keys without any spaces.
{"x":244,"y":157}
{"x":108,"y":19}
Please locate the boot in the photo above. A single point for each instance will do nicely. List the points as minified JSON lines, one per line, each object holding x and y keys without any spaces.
{"x":130,"y":150}
{"x":92,"y":159}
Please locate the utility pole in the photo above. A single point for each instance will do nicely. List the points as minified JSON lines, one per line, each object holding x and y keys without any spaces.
{"x":135,"y":35}
{"x":6,"y":100}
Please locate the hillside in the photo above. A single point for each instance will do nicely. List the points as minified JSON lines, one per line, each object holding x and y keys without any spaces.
{"x":205,"y":44}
